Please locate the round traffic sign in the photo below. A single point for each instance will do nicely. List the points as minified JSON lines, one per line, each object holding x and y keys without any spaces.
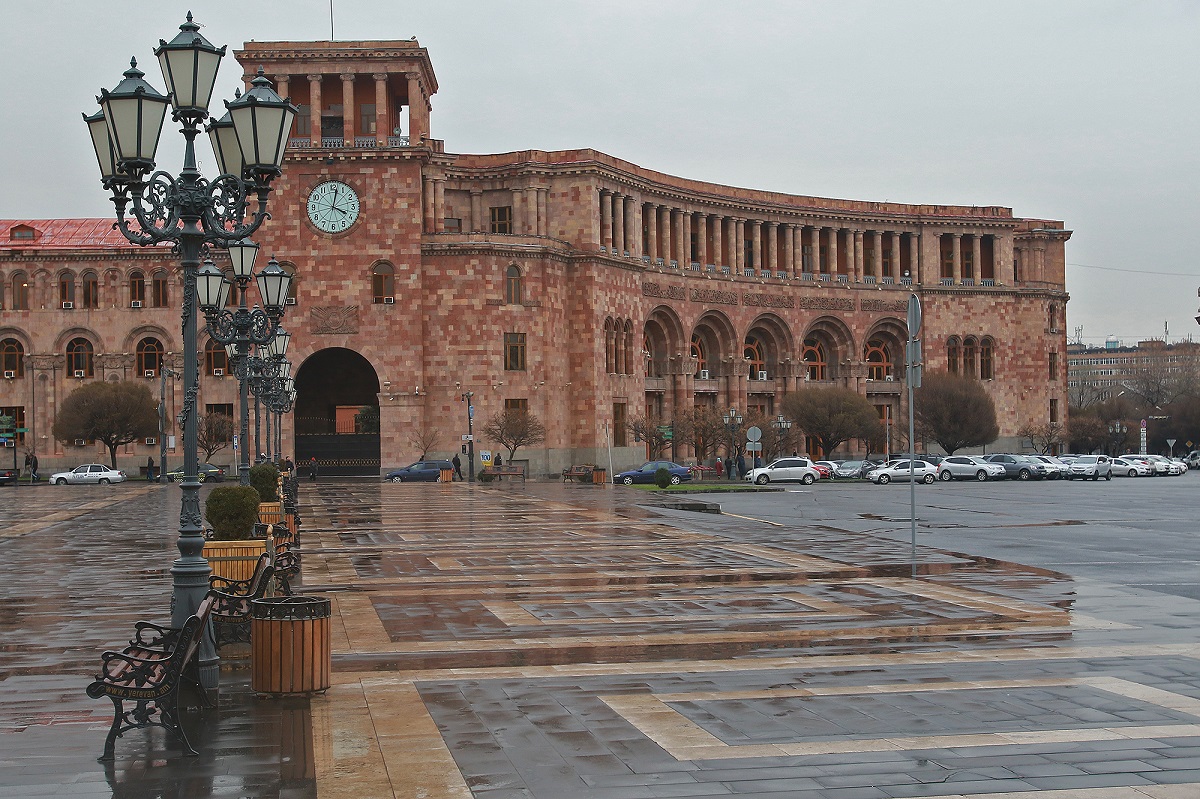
{"x":754,"y":434}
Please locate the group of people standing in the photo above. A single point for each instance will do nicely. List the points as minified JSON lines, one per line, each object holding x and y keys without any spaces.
{"x":31,"y":467}
{"x":732,"y":470}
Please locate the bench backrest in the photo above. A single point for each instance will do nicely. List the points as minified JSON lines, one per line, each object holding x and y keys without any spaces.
{"x":190,"y":636}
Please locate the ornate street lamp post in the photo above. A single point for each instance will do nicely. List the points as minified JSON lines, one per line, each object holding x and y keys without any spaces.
{"x":782,"y":425}
{"x":191,"y":213}
{"x":732,"y":420}
{"x":1117,"y":431}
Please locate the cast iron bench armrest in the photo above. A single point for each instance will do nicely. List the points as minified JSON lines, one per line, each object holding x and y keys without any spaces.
{"x":165,"y":637}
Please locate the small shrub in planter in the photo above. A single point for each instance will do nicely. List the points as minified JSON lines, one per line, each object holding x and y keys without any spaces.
{"x":486,"y":477}
{"x":662,"y":477}
{"x":232,"y":512}
{"x":265,"y":479}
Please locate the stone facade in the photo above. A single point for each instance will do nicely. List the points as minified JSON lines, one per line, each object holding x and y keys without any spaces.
{"x":632,"y":288}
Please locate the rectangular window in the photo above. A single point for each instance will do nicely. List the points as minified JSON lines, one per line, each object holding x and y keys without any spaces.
{"x":1053,"y":365}
{"x":1053,"y":411}
{"x":514,"y":352}
{"x":452,"y":224}
{"x":619,"y":422}
{"x":66,"y":290}
{"x":749,"y":257}
{"x":16,"y":421}
{"x":501,"y":219}
{"x":223,"y":408}
{"x":91,"y":291}
{"x":159,"y":288}
{"x":516,"y":405}
{"x":304,"y":120}
{"x":366,"y":119}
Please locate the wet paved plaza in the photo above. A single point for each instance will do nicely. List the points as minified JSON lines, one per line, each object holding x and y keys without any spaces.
{"x":548,"y":641}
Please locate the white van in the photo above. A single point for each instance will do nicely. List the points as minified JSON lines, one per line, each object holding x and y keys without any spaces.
{"x":1193,"y":459}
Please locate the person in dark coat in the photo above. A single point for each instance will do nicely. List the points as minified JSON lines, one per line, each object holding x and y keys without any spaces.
{"x":312,"y":468}
{"x":33,"y":467}
{"x":150,"y":470}
{"x":741,"y":465}
{"x":457,"y":467}
{"x":288,"y":466}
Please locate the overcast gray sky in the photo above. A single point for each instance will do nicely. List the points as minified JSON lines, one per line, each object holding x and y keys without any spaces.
{"x":1084,"y":111}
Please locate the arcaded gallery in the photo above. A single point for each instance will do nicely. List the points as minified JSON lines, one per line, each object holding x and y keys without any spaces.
{"x":586,"y":289}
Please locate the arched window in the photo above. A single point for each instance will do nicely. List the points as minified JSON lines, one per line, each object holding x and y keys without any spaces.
{"x":149,"y":357}
{"x":80,"y":358}
{"x":20,"y":292}
{"x":1052,"y":318}
{"x":970,"y":357}
{"x":137,"y":289}
{"x":162,"y":298}
{"x":513,"y":290}
{"x":699,"y":356}
{"x":878,"y":356}
{"x":610,"y":345}
{"x":12,"y":358}
{"x":66,"y":289}
{"x":987,"y":368}
{"x":383,"y":283}
{"x":627,"y":347}
{"x":215,"y":358}
{"x":91,"y":290}
{"x":954,"y":355}
{"x":753,"y":352}
{"x":815,"y":362}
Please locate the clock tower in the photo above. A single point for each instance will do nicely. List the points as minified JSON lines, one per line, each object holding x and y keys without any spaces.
{"x":361,"y":184}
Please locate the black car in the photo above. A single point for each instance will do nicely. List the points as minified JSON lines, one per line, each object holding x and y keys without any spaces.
{"x":9,"y":477}
{"x":419,"y":472}
{"x":205,"y":473}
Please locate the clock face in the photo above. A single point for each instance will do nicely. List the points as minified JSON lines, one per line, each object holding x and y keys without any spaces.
{"x":333,"y":206}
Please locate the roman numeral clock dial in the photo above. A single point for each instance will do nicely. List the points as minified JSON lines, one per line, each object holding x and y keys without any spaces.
{"x":333,"y":206}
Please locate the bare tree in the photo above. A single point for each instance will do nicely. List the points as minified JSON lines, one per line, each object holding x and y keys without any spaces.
{"x":1160,"y":380}
{"x":113,"y":413}
{"x":1044,"y":437}
{"x":654,"y":430}
{"x":514,"y":428}
{"x":832,"y":416}
{"x":214,"y":433}
{"x":701,"y":429}
{"x":1087,"y":433}
{"x":423,"y":440}
{"x":955,"y":411}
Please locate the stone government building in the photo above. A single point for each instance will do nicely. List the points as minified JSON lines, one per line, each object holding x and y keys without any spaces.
{"x":575,"y":284}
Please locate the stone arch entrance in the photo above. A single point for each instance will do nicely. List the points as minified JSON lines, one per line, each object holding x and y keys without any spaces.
{"x":337,"y":412}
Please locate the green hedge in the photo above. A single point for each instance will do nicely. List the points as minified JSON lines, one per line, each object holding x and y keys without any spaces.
{"x":265,"y":480}
{"x":232,"y":512}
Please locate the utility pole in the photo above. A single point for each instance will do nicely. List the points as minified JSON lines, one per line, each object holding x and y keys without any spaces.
{"x":466,"y":397}
{"x":163,"y":373}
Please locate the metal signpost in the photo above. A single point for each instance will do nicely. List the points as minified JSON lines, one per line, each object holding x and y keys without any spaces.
{"x":912,"y":365}
{"x":754,"y":441}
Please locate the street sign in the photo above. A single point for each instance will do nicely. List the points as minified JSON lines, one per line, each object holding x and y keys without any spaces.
{"x":470,"y":411}
{"x":468,"y":437}
{"x":667,"y":432}
{"x":754,"y":434}
{"x":754,"y":446}
{"x":914,"y":315}
{"x":235,"y":442}
{"x":22,"y":429}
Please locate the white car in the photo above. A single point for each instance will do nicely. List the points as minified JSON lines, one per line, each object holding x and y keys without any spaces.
{"x":88,"y":474}
{"x":1161,"y":465}
{"x":922,"y":471}
{"x":1091,"y":466}
{"x":1128,"y":467}
{"x":968,"y":467}
{"x":1058,"y":469}
{"x":783,"y":470}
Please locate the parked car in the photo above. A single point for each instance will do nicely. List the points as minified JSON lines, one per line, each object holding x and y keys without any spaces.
{"x":206,"y":472}
{"x":9,"y":477}
{"x":1128,"y":467}
{"x":922,"y":471}
{"x":1193,"y":459}
{"x":1163,"y":465}
{"x":1182,"y":463}
{"x":1019,"y":467}
{"x":968,"y":467}
{"x":1091,"y":466}
{"x":646,"y":472}
{"x":88,"y":474}
{"x":784,"y":470}
{"x":823,"y":470}
{"x":419,"y":472}
{"x":854,"y":469}
{"x":1058,"y":469}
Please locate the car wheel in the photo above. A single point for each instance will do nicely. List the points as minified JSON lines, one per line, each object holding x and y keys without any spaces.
{"x":103,"y":481}
{"x":884,"y":479}
{"x":1108,"y":476}
{"x":762,"y":480}
{"x":807,"y":479}
{"x":1133,"y":472}
{"x":62,"y":481}
{"x":928,"y":479}
{"x":674,"y":479}
{"x":1024,"y":474}
{"x":397,"y":479}
{"x":1095,"y":477}
{"x":981,"y":475}
{"x":627,"y":481}
{"x":946,"y":477}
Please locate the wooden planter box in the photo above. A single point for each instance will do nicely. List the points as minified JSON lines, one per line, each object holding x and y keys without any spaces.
{"x":270,"y":512}
{"x":234,"y":560}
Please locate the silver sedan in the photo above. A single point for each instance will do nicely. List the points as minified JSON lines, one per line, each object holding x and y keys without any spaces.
{"x":968,"y":467}
{"x":922,"y":471}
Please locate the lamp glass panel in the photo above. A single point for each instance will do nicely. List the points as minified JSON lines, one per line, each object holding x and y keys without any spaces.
{"x":102,"y":143}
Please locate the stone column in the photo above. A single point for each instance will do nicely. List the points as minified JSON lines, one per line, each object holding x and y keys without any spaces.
{"x":895,"y":271}
{"x":1002,"y":249}
{"x":976,"y":258}
{"x":632,"y":234}
{"x":439,"y":205}
{"x":686,"y":241}
{"x":931,"y":257}
{"x":797,"y":250}
{"x":859,"y":271}
{"x":348,"y":109}
{"x":677,"y":252}
{"x":702,"y":238}
{"x":606,"y":222}
{"x":531,"y":211}
{"x":956,"y":253}
{"x":618,"y":223}
{"x":831,"y":253}
{"x":877,"y":254}
{"x":665,"y":233}
{"x":282,"y":85}
{"x":814,"y":238}
{"x":914,"y":257}
{"x":739,"y":245}
{"x":789,"y":250}
{"x":383,"y":127}
{"x":314,"y":110}
{"x":718,"y":228}
{"x":418,"y":110}
{"x":651,"y":214}
{"x":756,"y":248}
{"x":772,"y":257}
{"x":635,"y":226}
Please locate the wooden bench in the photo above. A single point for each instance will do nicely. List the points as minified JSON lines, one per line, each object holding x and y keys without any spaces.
{"x":505,"y":471}
{"x":231,"y":611}
{"x":286,"y":559}
{"x":149,"y":672}
{"x":581,"y":473}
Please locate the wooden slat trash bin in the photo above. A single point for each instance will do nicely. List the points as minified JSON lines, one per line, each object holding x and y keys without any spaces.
{"x":290,"y":648}
{"x":447,"y":476}
{"x":599,"y":476}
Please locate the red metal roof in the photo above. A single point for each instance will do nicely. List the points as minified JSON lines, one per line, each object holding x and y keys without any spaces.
{"x":61,"y":234}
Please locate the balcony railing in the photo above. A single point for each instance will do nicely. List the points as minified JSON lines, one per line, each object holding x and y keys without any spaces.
{"x":336,"y":142}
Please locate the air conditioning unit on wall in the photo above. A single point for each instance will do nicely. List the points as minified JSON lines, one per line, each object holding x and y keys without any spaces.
{"x":9,"y":374}
{"x":79,"y":442}
{"x":68,"y":305}
{"x":389,"y":300}
{"x":762,"y":375}
{"x":218,"y":372}
{"x":81,"y":373}
{"x":149,"y":373}
{"x":135,"y":304}
{"x":290,"y":301}
{"x":703,"y":374}
{"x":151,"y":440}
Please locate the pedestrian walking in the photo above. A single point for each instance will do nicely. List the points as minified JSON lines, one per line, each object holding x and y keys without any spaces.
{"x":33,"y":467}
{"x":720,"y":468}
{"x":312,"y":469}
{"x":29,"y":465}
{"x":150,"y":469}
{"x":458,"y":475}
{"x":288,"y":466}
{"x":496,"y":461}
{"x":741,"y":465}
